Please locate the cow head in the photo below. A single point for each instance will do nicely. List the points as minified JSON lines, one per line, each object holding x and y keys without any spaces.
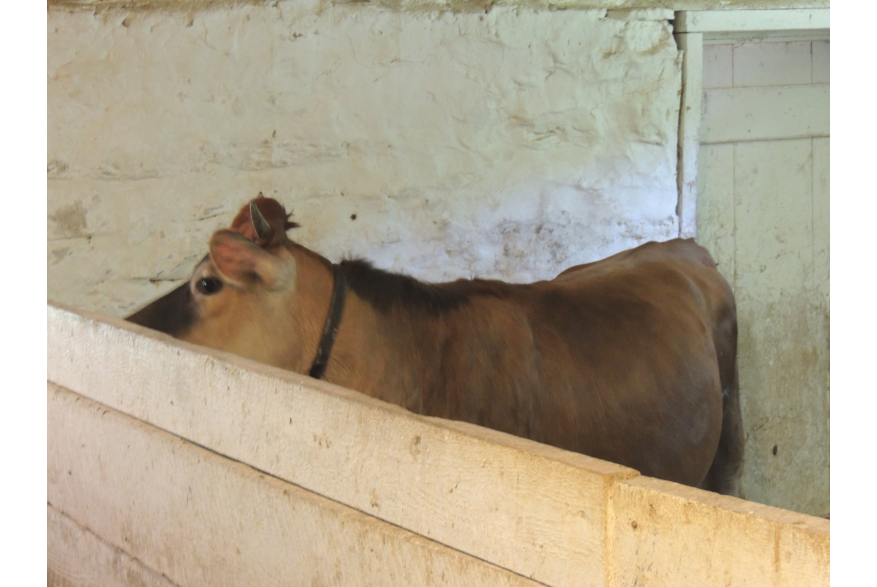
{"x":241,"y":297}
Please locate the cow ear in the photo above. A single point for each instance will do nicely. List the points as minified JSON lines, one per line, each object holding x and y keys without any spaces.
{"x":243,"y":262}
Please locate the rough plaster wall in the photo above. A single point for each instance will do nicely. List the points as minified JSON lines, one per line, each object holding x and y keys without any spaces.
{"x":510,"y":144}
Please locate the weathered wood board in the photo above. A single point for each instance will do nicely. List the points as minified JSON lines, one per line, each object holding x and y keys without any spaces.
{"x":203,"y":519}
{"x":210,"y":469}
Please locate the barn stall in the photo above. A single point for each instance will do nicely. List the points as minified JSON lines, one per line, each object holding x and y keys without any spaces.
{"x":508,"y":141}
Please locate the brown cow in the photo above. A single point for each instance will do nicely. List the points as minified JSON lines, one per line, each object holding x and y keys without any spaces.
{"x":631,"y":359}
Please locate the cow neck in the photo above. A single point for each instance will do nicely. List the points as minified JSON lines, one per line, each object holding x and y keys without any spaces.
{"x":333,"y":321}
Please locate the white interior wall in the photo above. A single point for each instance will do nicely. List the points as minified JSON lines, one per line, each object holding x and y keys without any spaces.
{"x":764,"y":213}
{"x":510,"y":144}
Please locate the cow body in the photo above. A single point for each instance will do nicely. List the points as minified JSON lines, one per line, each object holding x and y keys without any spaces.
{"x":631,"y":359}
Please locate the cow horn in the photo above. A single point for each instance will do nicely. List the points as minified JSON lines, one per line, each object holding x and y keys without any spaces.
{"x":260,"y":225}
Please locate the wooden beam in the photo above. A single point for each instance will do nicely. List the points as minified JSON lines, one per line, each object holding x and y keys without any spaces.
{"x":763,"y":113}
{"x":691,"y":45}
{"x":717,"y":21}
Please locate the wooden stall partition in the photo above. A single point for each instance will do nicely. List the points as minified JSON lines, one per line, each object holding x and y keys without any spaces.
{"x":669,"y":534}
{"x":209,"y":469}
{"x":199,"y":518}
{"x":535,"y":510}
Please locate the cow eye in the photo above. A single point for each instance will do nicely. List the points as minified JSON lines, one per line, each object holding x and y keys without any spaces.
{"x":208,"y":286}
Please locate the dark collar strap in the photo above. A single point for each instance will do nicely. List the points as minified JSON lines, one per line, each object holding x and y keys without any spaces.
{"x":330,"y":330}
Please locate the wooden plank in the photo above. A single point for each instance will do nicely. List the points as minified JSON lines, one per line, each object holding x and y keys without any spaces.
{"x":79,"y":558}
{"x":822,"y":287}
{"x":669,"y":534}
{"x":813,"y":35}
{"x":756,"y":114}
{"x":783,"y":345}
{"x":774,"y":210}
{"x":804,"y":549}
{"x":718,"y":66}
{"x":202,"y":519}
{"x":821,"y":62}
{"x":707,"y":21}
{"x":716,"y":230}
{"x":689,"y":130}
{"x":821,"y":218}
{"x":772,"y":64}
{"x":527,"y":507}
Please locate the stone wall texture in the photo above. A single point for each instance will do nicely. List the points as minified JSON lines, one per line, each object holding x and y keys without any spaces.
{"x":509,"y":145}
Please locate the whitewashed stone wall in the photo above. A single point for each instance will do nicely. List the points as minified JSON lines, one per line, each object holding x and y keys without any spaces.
{"x":508,"y":144}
